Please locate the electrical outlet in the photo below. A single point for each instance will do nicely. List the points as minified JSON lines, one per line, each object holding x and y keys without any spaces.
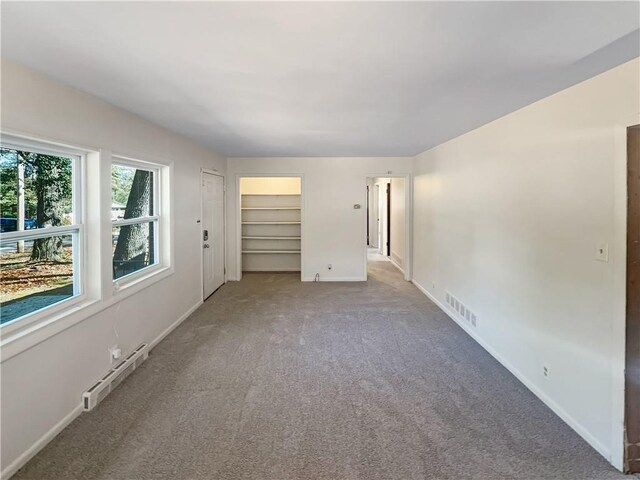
{"x":602,"y":252}
{"x":545,"y":371}
{"x":115,"y":353}
{"x":329,"y":267}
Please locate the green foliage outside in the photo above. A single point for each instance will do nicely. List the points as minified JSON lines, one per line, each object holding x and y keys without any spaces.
{"x":48,"y":179}
{"x":48,"y":202}
{"x":48,"y":187}
{"x":52,"y":176}
{"x":121,"y":181}
{"x":9,"y":187}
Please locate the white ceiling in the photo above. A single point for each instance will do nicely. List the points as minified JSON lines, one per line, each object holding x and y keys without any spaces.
{"x":320,"y":79}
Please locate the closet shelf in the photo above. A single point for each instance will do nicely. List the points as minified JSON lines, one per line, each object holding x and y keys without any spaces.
{"x":258,"y":237}
{"x":270,"y":251}
{"x":271,"y":231}
{"x":270,"y":223}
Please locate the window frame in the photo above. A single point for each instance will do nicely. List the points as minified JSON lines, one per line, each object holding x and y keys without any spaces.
{"x":99,"y":292}
{"x":76,"y":230}
{"x":156,"y":220}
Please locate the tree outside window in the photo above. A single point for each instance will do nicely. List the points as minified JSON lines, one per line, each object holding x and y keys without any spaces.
{"x":38,"y":231}
{"x":135,"y":226}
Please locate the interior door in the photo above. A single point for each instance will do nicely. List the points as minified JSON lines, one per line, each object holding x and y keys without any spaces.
{"x":632,"y":370}
{"x":212,"y":232}
{"x":368,"y":240}
{"x":376,"y":215}
{"x":388,"y":220}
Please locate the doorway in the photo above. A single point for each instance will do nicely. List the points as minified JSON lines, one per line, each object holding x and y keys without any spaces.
{"x":378,"y":227}
{"x":212,"y":240}
{"x":373,"y":218}
{"x":632,"y":357}
{"x":387,"y":222}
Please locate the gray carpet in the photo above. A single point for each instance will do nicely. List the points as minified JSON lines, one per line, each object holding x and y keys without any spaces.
{"x":276,"y":379}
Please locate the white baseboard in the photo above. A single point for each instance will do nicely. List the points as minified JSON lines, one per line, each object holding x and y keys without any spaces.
{"x":171,"y":327}
{"x":396,"y":264}
{"x":396,"y":258}
{"x":336,"y":279}
{"x":22,"y":459}
{"x":568,"y":419}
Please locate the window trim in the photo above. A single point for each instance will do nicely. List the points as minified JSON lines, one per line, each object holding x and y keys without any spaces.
{"x":100,"y":294}
{"x":157,"y":220}
{"x":24,"y":337}
{"x":76,"y":230}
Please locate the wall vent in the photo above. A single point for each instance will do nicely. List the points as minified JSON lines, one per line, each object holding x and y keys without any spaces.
{"x":94,"y":395}
{"x":461,"y":309}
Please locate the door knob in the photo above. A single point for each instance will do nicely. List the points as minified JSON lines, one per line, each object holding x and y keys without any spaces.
{"x":206,"y":245}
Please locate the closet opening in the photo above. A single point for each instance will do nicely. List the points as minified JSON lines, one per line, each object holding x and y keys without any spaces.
{"x":271,"y":224}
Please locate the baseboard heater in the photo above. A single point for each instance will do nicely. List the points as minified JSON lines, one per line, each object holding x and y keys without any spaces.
{"x":114,"y":377}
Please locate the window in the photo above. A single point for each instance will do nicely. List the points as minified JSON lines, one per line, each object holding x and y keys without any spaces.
{"x":41,"y":231}
{"x":134,"y":216}
{"x":54,"y":243}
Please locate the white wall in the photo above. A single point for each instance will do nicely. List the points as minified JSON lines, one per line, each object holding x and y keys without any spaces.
{"x":43,"y":385}
{"x":508,"y":218}
{"x":333,"y":232}
{"x":398,"y":221}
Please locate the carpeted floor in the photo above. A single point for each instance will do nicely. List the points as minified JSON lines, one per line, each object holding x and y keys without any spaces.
{"x":374,"y":255}
{"x":276,"y":379}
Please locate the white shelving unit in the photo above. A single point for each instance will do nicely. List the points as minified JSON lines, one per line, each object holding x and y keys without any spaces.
{"x":271,"y":225}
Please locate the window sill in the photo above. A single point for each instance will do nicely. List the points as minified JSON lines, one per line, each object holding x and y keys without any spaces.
{"x":22,"y":339}
{"x":128,"y":285}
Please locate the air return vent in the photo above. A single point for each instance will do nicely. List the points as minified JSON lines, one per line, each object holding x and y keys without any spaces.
{"x":114,"y":377}
{"x":461,"y":309}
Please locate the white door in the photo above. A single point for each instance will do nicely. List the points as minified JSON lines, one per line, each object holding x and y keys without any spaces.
{"x":212,"y":232}
{"x":376,"y":217}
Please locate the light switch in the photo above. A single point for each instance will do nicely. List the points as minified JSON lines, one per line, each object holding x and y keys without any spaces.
{"x":602,"y":252}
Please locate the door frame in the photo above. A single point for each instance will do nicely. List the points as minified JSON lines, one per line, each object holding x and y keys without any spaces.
{"x":376,"y":214}
{"x":387,"y":246}
{"x":368,"y":217}
{"x":382,"y":216}
{"x":632,"y":404}
{"x":619,"y":267}
{"x":238,"y":215}
{"x":408,"y":221}
{"x":208,"y":171}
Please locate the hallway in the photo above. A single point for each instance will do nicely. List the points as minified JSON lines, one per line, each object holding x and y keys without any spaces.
{"x":277,"y":379}
{"x":374,"y":255}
